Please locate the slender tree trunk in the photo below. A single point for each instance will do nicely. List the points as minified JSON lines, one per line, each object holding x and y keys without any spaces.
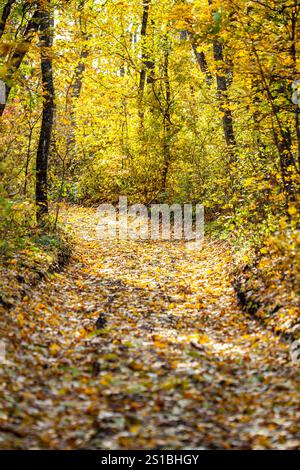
{"x":145,"y":20}
{"x":17,"y":57}
{"x":75,"y":94}
{"x":145,"y":61}
{"x":281,"y":136}
{"x":294,"y":20}
{"x":222,"y":93}
{"x":27,"y":160}
{"x":223,"y":81}
{"x":167,"y":121}
{"x":74,"y":91}
{"x":5,"y":15}
{"x":201,"y":60}
{"x":46,"y":40}
{"x":256,"y":117}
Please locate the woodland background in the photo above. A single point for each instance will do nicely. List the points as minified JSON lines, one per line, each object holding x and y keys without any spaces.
{"x":162,"y":101}
{"x":142,"y":344}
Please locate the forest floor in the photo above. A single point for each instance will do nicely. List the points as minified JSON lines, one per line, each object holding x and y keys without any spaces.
{"x":176,"y":364}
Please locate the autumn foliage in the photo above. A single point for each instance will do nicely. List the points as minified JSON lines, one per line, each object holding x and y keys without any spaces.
{"x":162,"y":101}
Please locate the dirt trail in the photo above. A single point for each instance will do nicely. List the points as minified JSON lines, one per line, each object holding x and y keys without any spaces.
{"x":176,"y":366}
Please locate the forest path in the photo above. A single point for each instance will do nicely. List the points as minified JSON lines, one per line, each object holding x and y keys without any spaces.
{"x":177,"y":366}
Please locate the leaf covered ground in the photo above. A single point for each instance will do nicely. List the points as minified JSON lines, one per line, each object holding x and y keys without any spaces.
{"x":269,"y":286}
{"x":25,"y":260}
{"x":141,"y":345}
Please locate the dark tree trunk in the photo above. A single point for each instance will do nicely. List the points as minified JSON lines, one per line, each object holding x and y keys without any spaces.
{"x":222,"y":91}
{"x":224,"y":78}
{"x":5,"y":14}
{"x":167,"y":121}
{"x":147,"y":63}
{"x":46,"y":40}
{"x":282,"y":136}
{"x":76,"y":86}
{"x":294,"y":20}
{"x":201,"y":60}
{"x":79,"y":74}
{"x":19,"y":54}
{"x":75,"y":94}
{"x":257,"y":117}
{"x":145,"y":20}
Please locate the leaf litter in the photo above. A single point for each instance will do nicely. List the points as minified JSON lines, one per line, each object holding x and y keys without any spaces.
{"x":141,"y":345}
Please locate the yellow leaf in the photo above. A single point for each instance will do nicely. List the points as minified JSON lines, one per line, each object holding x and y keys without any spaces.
{"x":292,"y":210}
{"x":54,"y":349}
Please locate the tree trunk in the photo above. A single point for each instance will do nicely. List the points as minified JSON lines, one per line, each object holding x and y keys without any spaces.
{"x":222,"y":93}
{"x":146,"y":63}
{"x":19,"y":54}
{"x":223,"y":81}
{"x":294,"y":20}
{"x":145,"y":20}
{"x":201,"y":60}
{"x":74,"y":91}
{"x":167,"y":120}
{"x":75,"y":94}
{"x":282,"y":137}
{"x":46,"y":40}
{"x":5,"y":14}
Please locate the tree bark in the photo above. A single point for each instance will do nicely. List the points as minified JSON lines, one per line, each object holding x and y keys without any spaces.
{"x":19,"y":54}
{"x":167,"y":120}
{"x":145,"y":20}
{"x":224,"y":79}
{"x":74,"y":96}
{"x":76,"y":86}
{"x":294,"y":20}
{"x":201,"y":60}
{"x":5,"y":15}
{"x":222,"y":93}
{"x":46,"y":41}
{"x":147,"y":64}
